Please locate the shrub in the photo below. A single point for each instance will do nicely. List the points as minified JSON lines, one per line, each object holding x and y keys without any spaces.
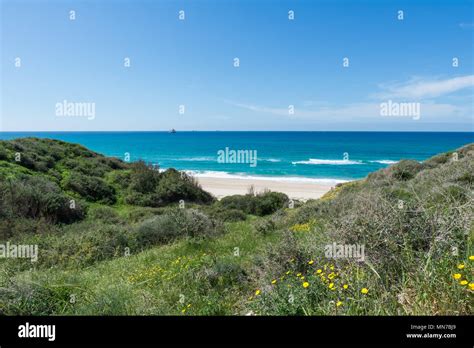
{"x":260,"y":204}
{"x":269,"y":202}
{"x":174,"y":186}
{"x":144,"y":200}
{"x":405,"y":170}
{"x":85,"y":243}
{"x":224,"y":274}
{"x":144,"y":177}
{"x":265,"y":226}
{"x":91,"y":188}
{"x":106,"y":214}
{"x":158,"y":230}
{"x":36,"y":197}
{"x":227,"y":215}
{"x":176,"y":223}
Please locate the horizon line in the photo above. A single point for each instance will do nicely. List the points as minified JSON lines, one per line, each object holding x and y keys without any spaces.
{"x":236,"y":131}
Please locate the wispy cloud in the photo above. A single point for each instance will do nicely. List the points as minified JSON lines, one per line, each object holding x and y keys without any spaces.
{"x":359,"y":111}
{"x":418,"y":88}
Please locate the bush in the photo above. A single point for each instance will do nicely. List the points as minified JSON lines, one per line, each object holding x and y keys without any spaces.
{"x":269,"y":202}
{"x":84,"y":244}
{"x":260,"y":204}
{"x":265,"y":226}
{"x":91,"y":188}
{"x":150,"y":188}
{"x":158,"y":230}
{"x":144,"y":177}
{"x":36,"y":197}
{"x":176,"y":223}
{"x":238,"y":202}
{"x":224,"y":274}
{"x":105,"y":214}
{"x":227,"y":215}
{"x":144,"y":199}
{"x":174,"y":186}
{"x":405,"y":170}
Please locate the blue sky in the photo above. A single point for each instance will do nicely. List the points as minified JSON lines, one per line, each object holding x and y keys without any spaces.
{"x":282,"y":63}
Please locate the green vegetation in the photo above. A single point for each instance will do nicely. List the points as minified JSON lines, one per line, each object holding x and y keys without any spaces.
{"x":124,"y":238}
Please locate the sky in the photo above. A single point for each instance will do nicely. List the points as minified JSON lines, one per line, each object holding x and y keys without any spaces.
{"x":291,"y":73}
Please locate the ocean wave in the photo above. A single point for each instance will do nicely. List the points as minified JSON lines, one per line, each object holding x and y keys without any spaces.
{"x":243,"y":176}
{"x":197,"y":159}
{"x":270,"y":159}
{"x":317,"y":161}
{"x":384,"y":161}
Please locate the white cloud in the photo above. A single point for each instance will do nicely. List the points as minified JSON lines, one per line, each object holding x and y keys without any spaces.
{"x":359,"y":112}
{"x":418,"y":89}
{"x":415,"y":90}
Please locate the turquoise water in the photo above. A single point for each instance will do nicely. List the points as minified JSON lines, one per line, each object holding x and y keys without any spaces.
{"x":314,"y":156}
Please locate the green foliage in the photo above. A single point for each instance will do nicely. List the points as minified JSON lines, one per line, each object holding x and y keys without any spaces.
{"x":260,"y":204}
{"x":36,"y":197}
{"x":175,"y":186}
{"x":91,"y":188}
{"x":265,"y":226}
{"x":105,"y":214}
{"x":227,"y":215}
{"x":177,"y":223}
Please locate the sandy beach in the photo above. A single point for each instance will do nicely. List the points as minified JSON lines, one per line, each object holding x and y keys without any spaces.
{"x":221,"y":187}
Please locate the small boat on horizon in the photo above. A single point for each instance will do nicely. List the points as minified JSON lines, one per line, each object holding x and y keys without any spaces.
{"x":173,"y":130}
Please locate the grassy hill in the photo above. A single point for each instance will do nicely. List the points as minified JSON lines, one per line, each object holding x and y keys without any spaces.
{"x":125,"y":238}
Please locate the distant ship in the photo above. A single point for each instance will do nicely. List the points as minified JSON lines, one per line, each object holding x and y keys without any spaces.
{"x":173,"y":130}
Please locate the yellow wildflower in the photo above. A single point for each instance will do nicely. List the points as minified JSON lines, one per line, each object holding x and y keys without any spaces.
{"x":331,"y":285}
{"x":319,"y":271}
{"x":471,"y":286}
{"x":345,"y":286}
{"x":457,"y":276}
{"x":257,"y":292}
{"x":463,"y":282}
{"x":471,"y":258}
{"x":461,"y":266}
{"x":274,"y":281}
{"x":310,"y":262}
{"x":305,"y":285}
{"x":339,"y":303}
{"x":364,"y":290}
{"x":298,"y":275}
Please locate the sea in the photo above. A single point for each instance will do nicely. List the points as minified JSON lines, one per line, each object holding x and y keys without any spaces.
{"x":325,"y":157}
